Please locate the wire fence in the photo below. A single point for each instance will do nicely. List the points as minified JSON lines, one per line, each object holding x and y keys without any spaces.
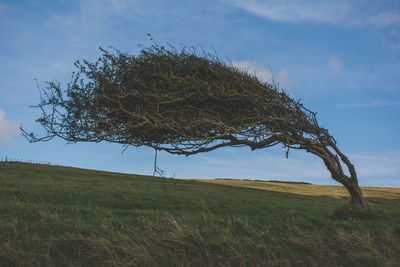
{"x":7,"y":159}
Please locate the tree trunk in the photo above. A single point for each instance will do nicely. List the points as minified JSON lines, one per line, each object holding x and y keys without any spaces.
{"x":356,"y":195}
{"x":333,"y":162}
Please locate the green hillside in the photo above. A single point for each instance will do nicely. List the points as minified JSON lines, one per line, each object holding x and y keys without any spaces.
{"x":59,"y":216}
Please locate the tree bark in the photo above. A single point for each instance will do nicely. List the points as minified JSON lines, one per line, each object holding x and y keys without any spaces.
{"x":357,"y":197}
{"x":333,"y":161}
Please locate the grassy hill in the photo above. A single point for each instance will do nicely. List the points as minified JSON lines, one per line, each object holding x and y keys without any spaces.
{"x":59,"y":216}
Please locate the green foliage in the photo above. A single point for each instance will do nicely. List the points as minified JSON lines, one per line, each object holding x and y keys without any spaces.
{"x":177,"y":100}
{"x":58,"y":216}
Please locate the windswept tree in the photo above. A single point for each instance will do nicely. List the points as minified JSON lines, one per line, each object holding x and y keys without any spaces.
{"x":184,"y":102}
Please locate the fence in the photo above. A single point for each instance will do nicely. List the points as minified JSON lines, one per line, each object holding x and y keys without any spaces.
{"x":41,"y":162}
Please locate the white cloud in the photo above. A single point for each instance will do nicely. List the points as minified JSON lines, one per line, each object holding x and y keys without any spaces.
{"x":262,"y":73}
{"x":298,"y":10}
{"x":7,"y":128}
{"x":386,"y":19}
{"x":282,"y":77}
{"x":335,"y":64}
{"x":374,"y":103}
{"x":346,"y":12}
{"x":377,"y":164}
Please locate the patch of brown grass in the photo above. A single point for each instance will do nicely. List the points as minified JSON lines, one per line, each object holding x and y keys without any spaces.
{"x":309,"y":189}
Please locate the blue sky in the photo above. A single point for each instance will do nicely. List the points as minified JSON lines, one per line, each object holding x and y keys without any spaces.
{"x":341,"y":58}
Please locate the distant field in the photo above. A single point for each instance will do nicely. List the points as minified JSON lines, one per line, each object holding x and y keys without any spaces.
{"x":61,"y":216}
{"x":308,"y":189}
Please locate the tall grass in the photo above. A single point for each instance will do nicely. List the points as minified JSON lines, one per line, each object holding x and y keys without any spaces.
{"x":59,"y":216}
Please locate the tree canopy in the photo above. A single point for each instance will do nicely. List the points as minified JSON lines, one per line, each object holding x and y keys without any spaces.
{"x":183,"y":102}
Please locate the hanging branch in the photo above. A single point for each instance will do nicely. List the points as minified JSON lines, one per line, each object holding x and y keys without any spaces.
{"x":157,"y":170}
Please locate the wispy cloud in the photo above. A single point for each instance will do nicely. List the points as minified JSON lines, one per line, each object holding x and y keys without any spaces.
{"x":7,"y":128}
{"x":335,"y":64}
{"x":91,"y":16}
{"x":382,"y":18}
{"x":3,"y":8}
{"x":262,"y":73}
{"x":378,"y":164}
{"x":347,"y":13}
{"x":386,"y":18}
{"x":298,"y":10}
{"x":375,"y":103}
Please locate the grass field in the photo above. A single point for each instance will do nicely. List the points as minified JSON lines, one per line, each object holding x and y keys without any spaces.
{"x":59,"y":216}
{"x":309,"y":189}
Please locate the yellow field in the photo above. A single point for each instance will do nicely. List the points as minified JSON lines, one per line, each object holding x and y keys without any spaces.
{"x":310,"y":190}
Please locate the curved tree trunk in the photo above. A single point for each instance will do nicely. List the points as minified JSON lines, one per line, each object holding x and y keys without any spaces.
{"x":356,"y":195}
{"x":333,"y":162}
